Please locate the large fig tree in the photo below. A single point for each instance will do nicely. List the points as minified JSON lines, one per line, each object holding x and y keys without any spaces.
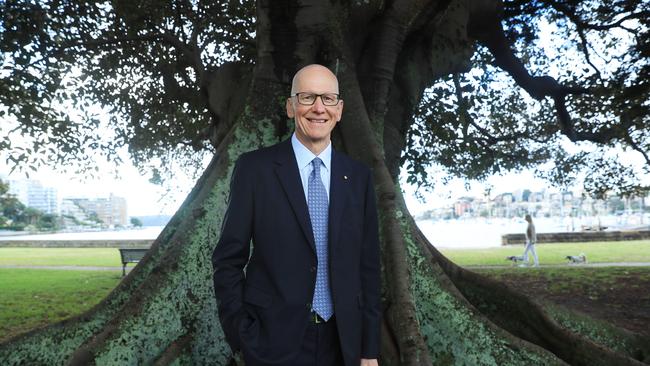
{"x":473,"y":87}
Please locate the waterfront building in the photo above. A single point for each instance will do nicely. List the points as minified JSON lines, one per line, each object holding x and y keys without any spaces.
{"x":73,"y":215}
{"x":32,"y":193}
{"x":112,"y":211}
{"x":463,"y":207}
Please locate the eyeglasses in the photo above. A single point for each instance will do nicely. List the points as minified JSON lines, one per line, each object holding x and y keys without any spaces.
{"x":328,"y":99}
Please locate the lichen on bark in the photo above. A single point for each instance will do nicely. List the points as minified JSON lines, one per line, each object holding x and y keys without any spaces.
{"x":454,"y":332}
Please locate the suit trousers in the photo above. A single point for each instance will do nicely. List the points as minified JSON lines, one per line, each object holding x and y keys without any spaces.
{"x":320,"y":346}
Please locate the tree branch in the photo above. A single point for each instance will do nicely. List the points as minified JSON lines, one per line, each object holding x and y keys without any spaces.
{"x":515,"y":8}
{"x":575,"y":18}
{"x":601,"y":136}
{"x":636,"y":147}
{"x":581,"y":25}
{"x":405,"y":95}
{"x":467,"y":121}
{"x":191,"y":52}
{"x":626,"y":120}
{"x":519,"y":8}
{"x":379,"y":62}
{"x":486,"y":28}
{"x":585,"y":51}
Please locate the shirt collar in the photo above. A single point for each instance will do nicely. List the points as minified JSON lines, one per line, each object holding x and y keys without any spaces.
{"x":304,"y":156}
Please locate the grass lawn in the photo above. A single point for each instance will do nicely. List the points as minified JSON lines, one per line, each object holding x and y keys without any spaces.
{"x":617,"y":251}
{"x":101,"y":257}
{"x":30,"y":298}
{"x":596,"y":252}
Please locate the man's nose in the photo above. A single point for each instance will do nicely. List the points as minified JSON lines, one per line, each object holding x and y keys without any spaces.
{"x":318,"y":105}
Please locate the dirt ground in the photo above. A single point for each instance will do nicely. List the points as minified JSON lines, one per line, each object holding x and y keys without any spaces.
{"x":621,"y":297}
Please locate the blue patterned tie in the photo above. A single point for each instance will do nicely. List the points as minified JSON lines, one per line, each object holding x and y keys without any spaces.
{"x":319,"y":213}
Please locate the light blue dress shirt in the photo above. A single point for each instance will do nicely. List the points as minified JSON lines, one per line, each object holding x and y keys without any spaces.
{"x":304,"y":157}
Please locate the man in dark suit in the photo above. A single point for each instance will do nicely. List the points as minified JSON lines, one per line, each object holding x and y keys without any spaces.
{"x":310,"y":290}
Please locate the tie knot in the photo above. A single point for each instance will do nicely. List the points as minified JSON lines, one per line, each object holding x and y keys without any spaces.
{"x":316,"y":163}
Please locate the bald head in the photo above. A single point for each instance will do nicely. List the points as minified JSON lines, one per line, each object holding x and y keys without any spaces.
{"x":317,"y":109}
{"x":313,"y":72}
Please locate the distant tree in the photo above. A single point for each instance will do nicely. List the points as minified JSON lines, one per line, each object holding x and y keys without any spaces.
{"x":136,"y":222}
{"x":50,"y":222}
{"x":616,"y":205}
{"x":525,"y":195}
{"x":30,"y":216}
{"x":468,"y":87}
{"x":11,"y":209}
{"x":4,"y":188}
{"x":14,"y":211}
{"x":92,"y":216}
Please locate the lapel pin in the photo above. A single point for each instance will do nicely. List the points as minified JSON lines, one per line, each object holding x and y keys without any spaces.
{"x":345,"y":177}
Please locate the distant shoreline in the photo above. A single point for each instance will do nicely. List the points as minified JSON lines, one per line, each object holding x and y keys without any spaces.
{"x":454,"y":233}
{"x":142,"y":233}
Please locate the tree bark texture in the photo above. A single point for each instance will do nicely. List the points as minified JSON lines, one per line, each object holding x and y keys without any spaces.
{"x":435,"y":312}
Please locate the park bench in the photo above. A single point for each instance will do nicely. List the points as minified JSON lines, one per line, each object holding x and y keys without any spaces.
{"x":131,"y":256}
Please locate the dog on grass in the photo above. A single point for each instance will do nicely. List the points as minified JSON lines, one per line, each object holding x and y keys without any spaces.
{"x":576,"y":259}
{"x":515,"y":259}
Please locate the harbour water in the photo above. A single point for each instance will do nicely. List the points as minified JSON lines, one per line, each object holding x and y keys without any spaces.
{"x":457,"y":233}
{"x":147,"y":232}
{"x":486,"y":233}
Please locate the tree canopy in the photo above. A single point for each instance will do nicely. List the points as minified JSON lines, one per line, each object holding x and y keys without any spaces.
{"x":556,"y":86}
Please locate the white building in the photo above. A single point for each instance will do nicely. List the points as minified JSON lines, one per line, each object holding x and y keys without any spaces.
{"x":73,"y":215}
{"x":33,"y":194}
{"x":112,"y":211}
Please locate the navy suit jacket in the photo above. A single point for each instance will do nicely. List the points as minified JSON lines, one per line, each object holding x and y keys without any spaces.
{"x":264,"y":290}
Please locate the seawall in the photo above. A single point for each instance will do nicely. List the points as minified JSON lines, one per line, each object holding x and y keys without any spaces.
{"x":578,"y":236}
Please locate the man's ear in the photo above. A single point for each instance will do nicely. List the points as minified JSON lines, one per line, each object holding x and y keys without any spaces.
{"x":290,"y":112}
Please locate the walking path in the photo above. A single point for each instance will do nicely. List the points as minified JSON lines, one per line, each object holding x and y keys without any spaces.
{"x":609,"y":264}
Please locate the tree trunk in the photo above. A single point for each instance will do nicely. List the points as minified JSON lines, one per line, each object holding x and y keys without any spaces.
{"x":435,"y":312}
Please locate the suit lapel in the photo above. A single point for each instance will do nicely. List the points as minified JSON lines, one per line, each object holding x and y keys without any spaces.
{"x":289,"y":176}
{"x":339,"y":192}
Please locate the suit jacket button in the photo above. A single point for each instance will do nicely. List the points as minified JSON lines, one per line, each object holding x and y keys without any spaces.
{"x":312,"y":269}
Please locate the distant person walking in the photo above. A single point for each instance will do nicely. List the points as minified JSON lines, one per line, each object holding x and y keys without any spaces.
{"x":531,"y":239}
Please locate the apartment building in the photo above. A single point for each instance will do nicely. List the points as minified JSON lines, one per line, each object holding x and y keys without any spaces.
{"x":32,"y":193}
